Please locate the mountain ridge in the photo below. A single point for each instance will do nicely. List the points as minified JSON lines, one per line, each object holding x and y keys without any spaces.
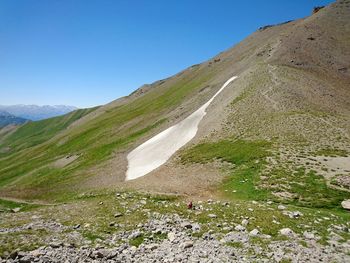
{"x":8,"y":119}
{"x":35,"y":112}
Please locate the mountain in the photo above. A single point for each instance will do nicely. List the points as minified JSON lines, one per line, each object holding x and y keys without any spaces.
{"x":271,"y":147}
{"x":292,"y":91}
{"x":34,"y":112}
{"x":7,"y":118}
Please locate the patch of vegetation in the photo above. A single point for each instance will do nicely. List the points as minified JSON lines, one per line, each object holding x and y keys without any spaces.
{"x":304,"y":188}
{"x":20,"y":240}
{"x":137,"y":241}
{"x":234,"y":244}
{"x":237,"y":152}
{"x":329,"y":152}
{"x":307,"y":188}
{"x":6,"y":205}
{"x":92,"y":236}
{"x":248,"y":158}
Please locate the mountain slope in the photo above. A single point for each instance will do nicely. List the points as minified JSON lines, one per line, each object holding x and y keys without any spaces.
{"x":7,"y":118}
{"x":34,"y":112}
{"x":291,"y":98}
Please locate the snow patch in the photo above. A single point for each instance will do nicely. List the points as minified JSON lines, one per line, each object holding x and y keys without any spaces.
{"x":157,"y":150}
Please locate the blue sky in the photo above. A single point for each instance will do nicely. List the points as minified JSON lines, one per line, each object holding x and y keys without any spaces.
{"x":90,"y":52}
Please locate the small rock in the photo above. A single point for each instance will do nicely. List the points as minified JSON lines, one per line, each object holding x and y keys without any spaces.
{"x":171,"y":236}
{"x":281,"y":207}
{"x":196,"y":227}
{"x":296,"y":214}
{"x":76,"y":226}
{"x":152,"y":246}
{"x":118,"y":215}
{"x":13,"y":254}
{"x":240,"y":228}
{"x":212,"y":216}
{"x":56,"y":244}
{"x":16,"y":209}
{"x":346,"y":204}
{"x":36,"y":253}
{"x":187,"y":225}
{"x":186,"y":244}
{"x":96,"y":254}
{"x":254,"y":232}
{"x":245,"y":222}
{"x":25,"y":259}
{"x":286,"y":232}
{"x":309,"y":235}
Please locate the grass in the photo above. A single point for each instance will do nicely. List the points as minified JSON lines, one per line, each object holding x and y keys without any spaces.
{"x":137,"y":241}
{"x":308,"y":188}
{"x":329,"y":152}
{"x":34,"y":147}
{"x":36,"y":132}
{"x":6,"y":205}
{"x":248,"y":158}
{"x":236,"y":152}
{"x":234,"y":244}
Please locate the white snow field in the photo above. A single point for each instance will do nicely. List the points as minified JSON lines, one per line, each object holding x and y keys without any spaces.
{"x":157,"y":150}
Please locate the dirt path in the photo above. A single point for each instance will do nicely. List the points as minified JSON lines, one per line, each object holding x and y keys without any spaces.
{"x":28,"y":202}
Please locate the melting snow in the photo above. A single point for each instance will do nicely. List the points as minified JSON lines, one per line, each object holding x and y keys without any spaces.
{"x":157,"y":150}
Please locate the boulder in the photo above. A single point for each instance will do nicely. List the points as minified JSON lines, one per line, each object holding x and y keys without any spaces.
{"x":346,"y":204}
{"x":309,"y":235}
{"x":254,"y":232}
{"x":118,"y":214}
{"x":240,"y":228}
{"x":171,"y":236}
{"x":186,"y":244}
{"x":56,"y":244}
{"x":245,"y":222}
{"x":16,"y":209}
{"x":281,"y":207}
{"x":187,"y":225}
{"x":286,"y":232}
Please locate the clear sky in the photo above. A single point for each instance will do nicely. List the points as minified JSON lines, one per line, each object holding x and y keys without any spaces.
{"x":90,"y":52}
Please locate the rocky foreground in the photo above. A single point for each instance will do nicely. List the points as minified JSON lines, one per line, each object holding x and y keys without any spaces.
{"x":205,"y":233}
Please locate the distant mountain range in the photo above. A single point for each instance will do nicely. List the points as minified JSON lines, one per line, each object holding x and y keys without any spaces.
{"x":35,"y":112}
{"x":7,"y":118}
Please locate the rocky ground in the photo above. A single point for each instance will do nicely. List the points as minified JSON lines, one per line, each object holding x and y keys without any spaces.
{"x":136,"y":228}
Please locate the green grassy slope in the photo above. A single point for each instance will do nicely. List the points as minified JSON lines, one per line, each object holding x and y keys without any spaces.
{"x":28,"y":171}
{"x":36,"y":132}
